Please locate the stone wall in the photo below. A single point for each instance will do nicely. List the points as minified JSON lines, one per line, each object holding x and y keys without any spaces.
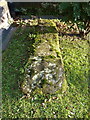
{"x":5,"y":18}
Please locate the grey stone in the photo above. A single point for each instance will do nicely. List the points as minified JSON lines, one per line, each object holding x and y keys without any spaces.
{"x":1,"y":10}
{"x":5,"y":18}
{"x":44,"y":71}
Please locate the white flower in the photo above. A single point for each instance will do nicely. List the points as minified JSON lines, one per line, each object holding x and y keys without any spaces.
{"x":60,"y":84}
{"x":35,"y":77}
{"x":43,"y":104}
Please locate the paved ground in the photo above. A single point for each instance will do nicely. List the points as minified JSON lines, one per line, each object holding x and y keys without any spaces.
{"x":5,"y":36}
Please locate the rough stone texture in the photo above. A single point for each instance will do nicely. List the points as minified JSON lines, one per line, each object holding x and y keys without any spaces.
{"x":44,"y":72}
{"x":5,"y":18}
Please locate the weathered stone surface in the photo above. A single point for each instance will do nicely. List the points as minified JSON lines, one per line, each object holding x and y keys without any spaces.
{"x":44,"y":72}
{"x":5,"y":18}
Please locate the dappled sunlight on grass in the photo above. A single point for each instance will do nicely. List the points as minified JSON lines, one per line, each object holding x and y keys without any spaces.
{"x":72,"y":104}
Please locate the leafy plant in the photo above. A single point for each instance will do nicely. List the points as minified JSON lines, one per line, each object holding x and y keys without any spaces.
{"x":78,"y":12}
{"x":72,"y":104}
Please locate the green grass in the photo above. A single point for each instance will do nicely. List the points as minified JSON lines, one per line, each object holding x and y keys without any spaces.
{"x":72,"y":104}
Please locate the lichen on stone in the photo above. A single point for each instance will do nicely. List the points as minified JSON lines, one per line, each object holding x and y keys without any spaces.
{"x":44,"y":72}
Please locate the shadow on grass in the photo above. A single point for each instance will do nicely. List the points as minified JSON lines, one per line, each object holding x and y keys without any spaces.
{"x":14,"y":59}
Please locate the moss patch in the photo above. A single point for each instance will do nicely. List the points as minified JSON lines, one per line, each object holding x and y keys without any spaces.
{"x":46,"y":55}
{"x":72,"y":104}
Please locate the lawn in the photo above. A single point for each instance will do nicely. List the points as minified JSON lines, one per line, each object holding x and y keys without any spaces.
{"x":74,"y":103}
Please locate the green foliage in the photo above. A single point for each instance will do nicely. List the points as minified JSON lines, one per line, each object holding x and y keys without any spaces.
{"x":13,"y":61}
{"x":32,"y":36}
{"x":76,"y":12}
{"x":72,"y":104}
